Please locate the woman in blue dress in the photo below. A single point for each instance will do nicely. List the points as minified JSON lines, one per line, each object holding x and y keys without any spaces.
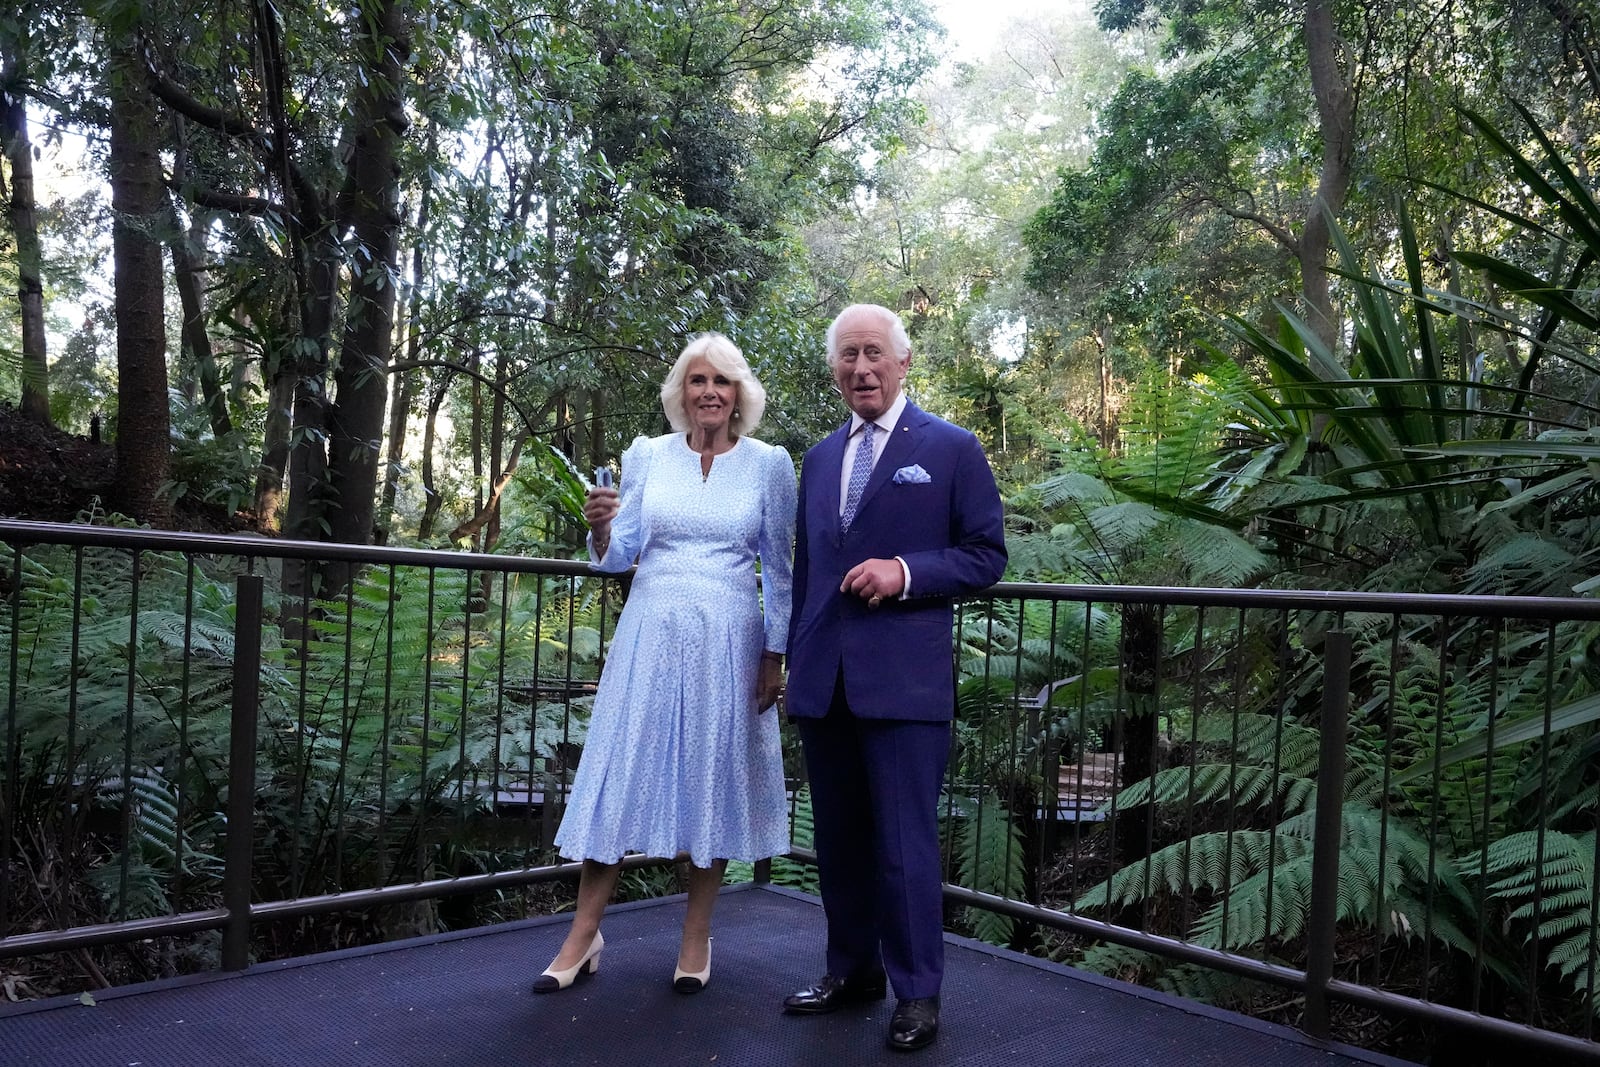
{"x":682,"y":754}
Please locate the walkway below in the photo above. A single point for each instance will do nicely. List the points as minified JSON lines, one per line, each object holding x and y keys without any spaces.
{"x":462,"y":1000}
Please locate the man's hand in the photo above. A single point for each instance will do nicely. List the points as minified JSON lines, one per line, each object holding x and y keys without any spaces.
{"x":874,"y":580}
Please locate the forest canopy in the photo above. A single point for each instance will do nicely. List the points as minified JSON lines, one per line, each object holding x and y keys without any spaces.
{"x":1308,"y":285}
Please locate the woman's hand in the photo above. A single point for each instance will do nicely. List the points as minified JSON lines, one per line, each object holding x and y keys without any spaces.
{"x":769,"y":680}
{"x":599,"y":508}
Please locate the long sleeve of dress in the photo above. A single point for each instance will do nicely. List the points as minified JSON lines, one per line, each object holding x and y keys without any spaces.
{"x":627,"y":529}
{"x":777,"y":547}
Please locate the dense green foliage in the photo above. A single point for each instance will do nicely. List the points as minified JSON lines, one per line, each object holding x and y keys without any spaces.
{"x":1235,"y":293}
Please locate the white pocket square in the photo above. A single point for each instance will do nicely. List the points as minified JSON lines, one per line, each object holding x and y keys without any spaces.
{"x":912,"y":475}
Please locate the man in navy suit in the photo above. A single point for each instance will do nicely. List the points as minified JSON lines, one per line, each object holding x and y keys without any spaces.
{"x":898,"y":514}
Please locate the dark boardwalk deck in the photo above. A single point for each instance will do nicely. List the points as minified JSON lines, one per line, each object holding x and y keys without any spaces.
{"x":461,"y":1001}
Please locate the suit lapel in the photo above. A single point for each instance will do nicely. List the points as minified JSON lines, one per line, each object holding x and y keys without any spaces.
{"x":830,"y":462}
{"x":897,"y":452}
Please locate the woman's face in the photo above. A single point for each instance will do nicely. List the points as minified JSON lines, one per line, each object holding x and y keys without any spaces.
{"x":708,"y":396}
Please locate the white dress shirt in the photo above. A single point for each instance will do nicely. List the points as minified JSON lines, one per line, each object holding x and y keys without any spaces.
{"x":886,"y":423}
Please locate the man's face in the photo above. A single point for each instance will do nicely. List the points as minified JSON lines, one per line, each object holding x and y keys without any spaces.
{"x":865,"y":368}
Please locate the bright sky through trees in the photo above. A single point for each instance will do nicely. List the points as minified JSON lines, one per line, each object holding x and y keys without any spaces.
{"x":974,"y":26}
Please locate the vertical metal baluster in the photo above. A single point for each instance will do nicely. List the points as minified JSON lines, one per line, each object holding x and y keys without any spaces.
{"x":566,"y":696}
{"x":554,"y":779}
{"x":1233,"y":779}
{"x":1488,"y":814}
{"x":1050,"y":753}
{"x":1379,"y":918}
{"x":1280,"y":713}
{"x":424,"y":798}
{"x":1155,"y":765}
{"x":1322,"y":922}
{"x":950,"y":781}
{"x":499,"y":699}
{"x":1194,"y":749}
{"x":1437,"y":804}
{"x":388,"y":726}
{"x":464,"y":718}
{"x":183,"y":731}
{"x":1014,"y":761}
{"x":979,"y":786}
{"x":347,"y":725}
{"x":1543,"y":818}
{"x":1083,"y":748}
{"x":124,"y":870}
{"x":1118,"y":744}
{"x":13,"y":754}
{"x":74,"y":811}
{"x":302,"y":748}
{"x":239,"y":848}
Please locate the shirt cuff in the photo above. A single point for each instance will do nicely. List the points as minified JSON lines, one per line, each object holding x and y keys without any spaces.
{"x":905,"y":573}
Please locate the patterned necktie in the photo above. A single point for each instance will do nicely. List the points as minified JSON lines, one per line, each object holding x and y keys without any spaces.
{"x":860,"y":471}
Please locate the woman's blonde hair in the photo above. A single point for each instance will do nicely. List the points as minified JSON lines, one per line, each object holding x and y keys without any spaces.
{"x":750,"y":399}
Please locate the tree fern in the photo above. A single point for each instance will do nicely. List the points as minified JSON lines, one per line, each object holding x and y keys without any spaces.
{"x":1219,"y":783}
{"x":1557,"y":881}
{"x":133,"y":881}
{"x":1249,"y":866}
{"x":989,"y":858}
{"x":1212,"y":861}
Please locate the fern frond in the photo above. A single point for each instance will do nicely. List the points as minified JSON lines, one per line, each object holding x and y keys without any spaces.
{"x":1214,"y":555}
{"x":990,"y":860}
{"x":1557,"y":880}
{"x":1214,"y":783}
{"x":1073,"y":487}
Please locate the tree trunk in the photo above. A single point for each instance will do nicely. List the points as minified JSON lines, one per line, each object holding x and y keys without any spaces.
{"x":405,"y":381}
{"x":475,"y":435}
{"x":501,"y":473}
{"x":315,"y":250}
{"x":430,"y":495}
{"x":138,"y":203}
{"x":305,"y":518}
{"x":22,"y":214}
{"x":488,"y":515}
{"x":189,"y":277}
{"x":372,"y":191}
{"x":281,"y":376}
{"x":1330,"y":85}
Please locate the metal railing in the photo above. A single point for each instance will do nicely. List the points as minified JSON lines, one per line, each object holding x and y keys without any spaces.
{"x":163,"y":687}
{"x":1385,"y":802}
{"x":1380,"y":801}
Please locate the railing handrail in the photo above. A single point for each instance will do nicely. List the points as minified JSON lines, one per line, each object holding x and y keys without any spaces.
{"x":1482,"y":605}
{"x":261,"y":547}
{"x":1454,"y":604}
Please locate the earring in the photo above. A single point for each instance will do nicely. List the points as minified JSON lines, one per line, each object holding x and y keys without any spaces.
{"x":736,"y":413}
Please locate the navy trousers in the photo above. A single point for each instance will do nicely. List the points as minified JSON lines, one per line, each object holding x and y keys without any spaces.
{"x":875,"y":805}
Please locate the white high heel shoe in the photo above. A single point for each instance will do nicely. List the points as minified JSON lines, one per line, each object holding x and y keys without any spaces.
{"x":552,"y":980}
{"x":692,"y":982}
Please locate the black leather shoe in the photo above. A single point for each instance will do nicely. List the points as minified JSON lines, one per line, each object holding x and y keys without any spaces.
{"x":914,"y":1024}
{"x":832,"y":993}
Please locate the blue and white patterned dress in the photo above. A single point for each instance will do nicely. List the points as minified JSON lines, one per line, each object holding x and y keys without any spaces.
{"x":677,"y":759}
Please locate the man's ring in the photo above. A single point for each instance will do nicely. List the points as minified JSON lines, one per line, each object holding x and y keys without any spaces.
{"x":875,"y":601}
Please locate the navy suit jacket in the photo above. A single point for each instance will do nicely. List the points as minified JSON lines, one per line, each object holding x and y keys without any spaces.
{"x":896,"y":659}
